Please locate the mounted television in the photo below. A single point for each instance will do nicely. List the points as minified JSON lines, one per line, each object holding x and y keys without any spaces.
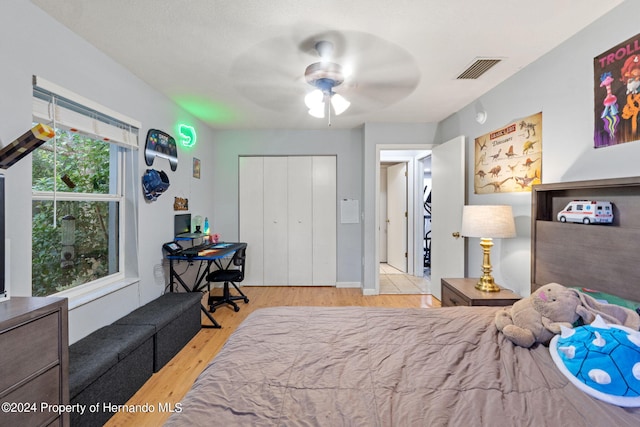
{"x":3,"y":290}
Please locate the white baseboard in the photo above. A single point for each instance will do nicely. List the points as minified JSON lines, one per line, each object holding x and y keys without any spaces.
{"x":369,"y":292}
{"x":348,"y":285}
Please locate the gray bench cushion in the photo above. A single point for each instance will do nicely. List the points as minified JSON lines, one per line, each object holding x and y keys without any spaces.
{"x":162,"y":310}
{"x":96,"y":353}
{"x":176,"y":319}
{"x":112,"y":363}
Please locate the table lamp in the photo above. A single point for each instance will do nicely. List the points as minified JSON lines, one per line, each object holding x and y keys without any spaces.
{"x":487,"y":222}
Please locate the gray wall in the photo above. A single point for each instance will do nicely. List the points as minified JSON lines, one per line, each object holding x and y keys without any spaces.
{"x":560,"y":84}
{"x":383,"y":134}
{"x":32,"y":43}
{"x":346,"y":145}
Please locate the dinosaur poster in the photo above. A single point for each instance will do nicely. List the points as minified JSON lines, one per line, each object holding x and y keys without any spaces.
{"x":509,"y":159}
{"x":616,"y":81}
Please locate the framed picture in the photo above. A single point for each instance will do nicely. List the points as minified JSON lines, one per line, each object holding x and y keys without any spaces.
{"x":196,"y":168}
{"x":616,"y":85}
{"x":509,"y":159}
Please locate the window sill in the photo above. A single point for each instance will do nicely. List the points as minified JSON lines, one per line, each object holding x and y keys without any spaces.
{"x":85,"y":294}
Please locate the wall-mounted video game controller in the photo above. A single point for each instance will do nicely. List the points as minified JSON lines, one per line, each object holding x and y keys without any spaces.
{"x":161,"y":144}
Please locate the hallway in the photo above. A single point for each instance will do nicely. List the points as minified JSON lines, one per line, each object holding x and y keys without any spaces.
{"x":393,"y":281}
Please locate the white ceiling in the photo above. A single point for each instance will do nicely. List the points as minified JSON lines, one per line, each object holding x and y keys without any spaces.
{"x":239,"y":64}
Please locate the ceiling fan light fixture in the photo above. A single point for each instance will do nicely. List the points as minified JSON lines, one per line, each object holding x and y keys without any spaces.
{"x":339,"y":104}
{"x":317,"y":111}
{"x":313,"y":99}
{"x":325,"y":76}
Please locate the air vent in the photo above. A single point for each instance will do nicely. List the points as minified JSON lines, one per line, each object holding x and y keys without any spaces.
{"x":478,"y":68}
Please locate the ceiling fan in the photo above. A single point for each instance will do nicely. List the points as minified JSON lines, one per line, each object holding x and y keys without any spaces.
{"x":324,"y":76}
{"x":331,"y":70}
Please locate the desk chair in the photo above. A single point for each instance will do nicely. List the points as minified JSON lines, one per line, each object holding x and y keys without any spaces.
{"x":228,"y":275}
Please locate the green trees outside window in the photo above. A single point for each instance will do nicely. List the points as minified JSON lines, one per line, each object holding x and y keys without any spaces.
{"x":76,"y":181}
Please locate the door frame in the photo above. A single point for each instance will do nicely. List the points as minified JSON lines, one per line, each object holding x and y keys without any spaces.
{"x":413,"y":225}
{"x":398,"y":228}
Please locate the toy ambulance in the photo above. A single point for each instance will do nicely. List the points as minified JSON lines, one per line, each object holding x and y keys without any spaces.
{"x":587,"y":212}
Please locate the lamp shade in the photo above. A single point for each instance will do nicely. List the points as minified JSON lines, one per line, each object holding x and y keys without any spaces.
{"x":339,"y":104}
{"x":495,"y":221}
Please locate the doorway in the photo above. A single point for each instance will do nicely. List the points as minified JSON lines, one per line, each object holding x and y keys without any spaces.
{"x":404,"y":176}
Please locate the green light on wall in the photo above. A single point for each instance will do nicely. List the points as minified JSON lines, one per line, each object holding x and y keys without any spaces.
{"x":187,"y":135}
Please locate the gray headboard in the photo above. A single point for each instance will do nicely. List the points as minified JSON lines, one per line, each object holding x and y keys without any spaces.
{"x":601,"y":257}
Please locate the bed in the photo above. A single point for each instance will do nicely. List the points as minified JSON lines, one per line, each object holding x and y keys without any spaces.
{"x":363,"y":366}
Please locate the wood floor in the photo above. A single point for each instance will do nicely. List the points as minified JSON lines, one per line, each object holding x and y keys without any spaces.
{"x":171,"y":383}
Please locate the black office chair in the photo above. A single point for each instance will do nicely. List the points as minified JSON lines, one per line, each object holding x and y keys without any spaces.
{"x":231,"y":274}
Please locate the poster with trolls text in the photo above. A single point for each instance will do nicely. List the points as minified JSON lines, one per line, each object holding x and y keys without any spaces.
{"x":616,"y":75}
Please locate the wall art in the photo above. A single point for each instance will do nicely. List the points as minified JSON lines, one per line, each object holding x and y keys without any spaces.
{"x":616,"y":82}
{"x":509,"y":159}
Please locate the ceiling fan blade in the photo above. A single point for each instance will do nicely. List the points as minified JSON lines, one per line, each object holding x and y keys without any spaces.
{"x":274,"y":97}
{"x":271,"y":73}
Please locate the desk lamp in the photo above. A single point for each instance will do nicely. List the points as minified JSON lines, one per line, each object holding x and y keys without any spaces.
{"x":487,"y":222}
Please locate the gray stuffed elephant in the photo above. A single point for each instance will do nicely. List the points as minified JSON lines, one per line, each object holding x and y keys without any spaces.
{"x":538,"y":317}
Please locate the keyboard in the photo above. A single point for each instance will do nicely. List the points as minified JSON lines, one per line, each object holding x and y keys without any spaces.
{"x":204,"y":247}
{"x":193,"y":251}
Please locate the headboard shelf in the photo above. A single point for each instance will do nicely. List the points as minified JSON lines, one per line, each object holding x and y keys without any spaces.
{"x":602,"y":257}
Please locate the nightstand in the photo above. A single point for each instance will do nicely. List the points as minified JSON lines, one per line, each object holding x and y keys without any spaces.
{"x":463,"y":292}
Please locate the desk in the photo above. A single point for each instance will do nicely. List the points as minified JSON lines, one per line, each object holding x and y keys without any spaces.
{"x":218,"y":252}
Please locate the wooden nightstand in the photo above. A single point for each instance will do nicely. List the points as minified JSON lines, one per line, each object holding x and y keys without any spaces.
{"x":463,"y":292}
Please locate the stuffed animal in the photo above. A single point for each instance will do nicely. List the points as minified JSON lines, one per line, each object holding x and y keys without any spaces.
{"x":537,"y":318}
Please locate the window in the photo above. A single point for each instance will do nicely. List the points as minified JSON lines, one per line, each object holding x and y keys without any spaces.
{"x":79,"y":196}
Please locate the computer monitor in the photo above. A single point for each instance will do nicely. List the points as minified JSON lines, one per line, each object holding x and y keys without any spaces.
{"x":181,"y":224}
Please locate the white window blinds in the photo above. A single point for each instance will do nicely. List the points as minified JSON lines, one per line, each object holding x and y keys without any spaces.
{"x":54,"y":104}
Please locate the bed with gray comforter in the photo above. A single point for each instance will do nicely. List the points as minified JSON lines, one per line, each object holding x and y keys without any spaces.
{"x":358,"y":366}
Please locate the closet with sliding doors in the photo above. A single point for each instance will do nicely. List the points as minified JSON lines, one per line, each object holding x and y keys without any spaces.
{"x":288,"y":219}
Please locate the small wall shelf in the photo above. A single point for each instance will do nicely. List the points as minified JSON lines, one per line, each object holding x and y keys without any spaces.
{"x":584,"y":255}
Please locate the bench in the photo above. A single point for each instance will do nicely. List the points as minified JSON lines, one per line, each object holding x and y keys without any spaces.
{"x":109,"y":365}
{"x":175,"y":318}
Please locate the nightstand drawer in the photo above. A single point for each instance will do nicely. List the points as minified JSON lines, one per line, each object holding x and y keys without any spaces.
{"x":452,"y":299}
{"x":463,"y":292}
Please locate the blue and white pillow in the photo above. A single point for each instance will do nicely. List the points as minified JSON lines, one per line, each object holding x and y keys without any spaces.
{"x":602,"y":360}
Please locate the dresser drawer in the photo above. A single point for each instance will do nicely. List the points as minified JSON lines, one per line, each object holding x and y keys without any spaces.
{"x":452,"y":299}
{"x":29,"y":349}
{"x":43,"y":389}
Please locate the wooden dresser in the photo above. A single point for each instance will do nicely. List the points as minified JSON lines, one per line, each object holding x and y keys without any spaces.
{"x":34,"y":361}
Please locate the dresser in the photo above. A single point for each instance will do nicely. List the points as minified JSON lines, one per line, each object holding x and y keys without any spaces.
{"x":463,"y":292}
{"x":34,"y":361}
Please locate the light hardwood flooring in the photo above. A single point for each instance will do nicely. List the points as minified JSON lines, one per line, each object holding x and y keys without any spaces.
{"x":171,"y":383}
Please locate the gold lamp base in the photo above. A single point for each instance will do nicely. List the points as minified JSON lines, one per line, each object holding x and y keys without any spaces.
{"x":486,"y":283}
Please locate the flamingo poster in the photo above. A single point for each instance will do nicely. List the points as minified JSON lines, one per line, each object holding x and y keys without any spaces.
{"x":509,"y":159}
{"x":616,"y":78}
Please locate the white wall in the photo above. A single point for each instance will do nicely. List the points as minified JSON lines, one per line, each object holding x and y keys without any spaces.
{"x":560,"y":84}
{"x":32,"y":43}
{"x":345,"y":144}
{"x":383,"y":134}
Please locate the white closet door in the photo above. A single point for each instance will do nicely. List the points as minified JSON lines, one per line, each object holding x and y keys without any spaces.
{"x":251,"y":217}
{"x":275,"y":184}
{"x":324,"y":221}
{"x":300,"y":191}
